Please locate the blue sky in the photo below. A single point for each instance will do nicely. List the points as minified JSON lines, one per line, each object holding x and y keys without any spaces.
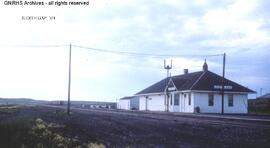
{"x":239,"y":28}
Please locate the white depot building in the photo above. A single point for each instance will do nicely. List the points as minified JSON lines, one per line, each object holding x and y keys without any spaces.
{"x":191,"y":92}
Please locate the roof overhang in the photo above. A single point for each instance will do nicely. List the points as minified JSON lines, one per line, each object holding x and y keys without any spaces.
{"x":126,"y":98}
{"x":197,"y":91}
{"x":227,"y":92}
{"x":149,"y":94}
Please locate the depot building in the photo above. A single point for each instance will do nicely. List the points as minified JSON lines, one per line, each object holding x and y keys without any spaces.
{"x":191,"y":92}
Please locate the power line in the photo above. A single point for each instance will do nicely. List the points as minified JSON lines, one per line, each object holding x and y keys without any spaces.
{"x":36,"y":46}
{"x":142,"y":54}
{"x":116,"y":51}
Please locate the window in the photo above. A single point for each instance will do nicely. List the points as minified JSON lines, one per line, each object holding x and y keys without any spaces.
{"x":230,"y":100}
{"x":189,"y":99}
{"x":176,"y":99}
{"x":170,"y":99}
{"x":210,"y":99}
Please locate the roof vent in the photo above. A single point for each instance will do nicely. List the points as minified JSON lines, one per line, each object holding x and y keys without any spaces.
{"x":205,"y":66}
{"x":185,"y":71}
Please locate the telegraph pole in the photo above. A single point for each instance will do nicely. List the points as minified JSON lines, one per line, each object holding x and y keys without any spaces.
{"x":166,"y":96}
{"x":69,"y":79}
{"x":222,"y":91}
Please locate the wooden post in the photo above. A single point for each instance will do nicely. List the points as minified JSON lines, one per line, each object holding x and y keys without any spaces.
{"x":222,"y":91}
{"x":69,"y":79}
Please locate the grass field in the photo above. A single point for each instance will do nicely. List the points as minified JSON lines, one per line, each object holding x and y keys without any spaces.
{"x":259,"y":106}
{"x":35,"y":133}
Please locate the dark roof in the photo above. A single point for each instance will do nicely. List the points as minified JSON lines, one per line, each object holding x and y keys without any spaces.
{"x":155,"y":88}
{"x":126,"y":98}
{"x":202,"y":80}
{"x":266,"y":96}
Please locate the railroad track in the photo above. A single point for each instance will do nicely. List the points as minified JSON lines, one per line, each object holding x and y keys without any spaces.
{"x":174,"y":117}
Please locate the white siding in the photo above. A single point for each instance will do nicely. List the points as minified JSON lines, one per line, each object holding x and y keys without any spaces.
{"x":201,"y":100}
{"x":124,"y":104}
{"x":156,"y":103}
{"x":152,"y":103}
{"x":142,"y":103}
{"x":239,"y":103}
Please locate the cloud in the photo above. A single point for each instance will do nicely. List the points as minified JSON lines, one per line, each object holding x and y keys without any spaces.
{"x":238,"y":27}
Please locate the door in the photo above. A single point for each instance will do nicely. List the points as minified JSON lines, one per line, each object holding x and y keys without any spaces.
{"x":182,"y":102}
{"x":170,"y":101}
{"x":176,"y":101}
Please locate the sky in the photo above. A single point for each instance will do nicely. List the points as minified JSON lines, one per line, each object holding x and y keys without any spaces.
{"x":32,"y":67}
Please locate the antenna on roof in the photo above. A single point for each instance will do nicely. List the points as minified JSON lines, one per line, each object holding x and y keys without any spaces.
{"x":167,"y":67}
{"x":166,"y":96}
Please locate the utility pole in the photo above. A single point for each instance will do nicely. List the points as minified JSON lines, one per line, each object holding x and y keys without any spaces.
{"x":166,"y":96}
{"x":222,"y":90}
{"x":261,"y":91}
{"x":69,"y":79}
